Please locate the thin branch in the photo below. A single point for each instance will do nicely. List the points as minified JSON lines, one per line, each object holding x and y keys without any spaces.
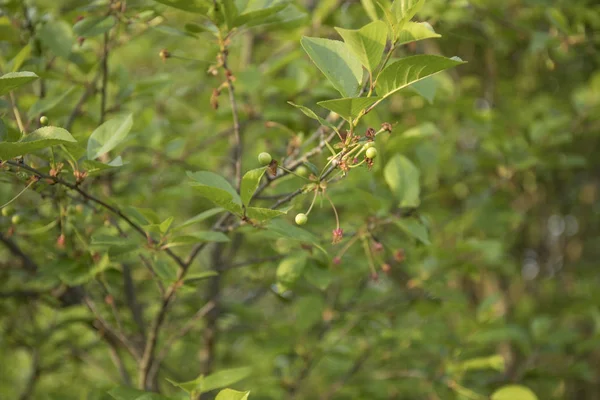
{"x":104,"y":78}
{"x":118,"y":361}
{"x":15,"y":109}
{"x":201,"y":313}
{"x":90,"y":89}
{"x":131,"y":300}
{"x":237,"y":149}
{"x":106,"y":327}
{"x":96,"y":200}
{"x":29,"y":265}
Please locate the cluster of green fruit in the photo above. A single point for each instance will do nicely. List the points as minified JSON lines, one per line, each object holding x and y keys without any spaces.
{"x":9,"y":211}
{"x":265,"y":159}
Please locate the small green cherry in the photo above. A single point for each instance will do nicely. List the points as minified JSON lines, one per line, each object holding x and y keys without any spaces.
{"x":301,"y":219}
{"x":371,"y":152}
{"x":302,"y":170}
{"x":44,"y":120}
{"x":265,"y":158}
{"x":8,"y":211}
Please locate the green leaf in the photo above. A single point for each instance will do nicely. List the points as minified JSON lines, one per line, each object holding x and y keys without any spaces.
{"x":281,"y":228}
{"x":367,"y":43}
{"x":166,"y":224}
{"x":207,"y":178}
{"x":106,"y":240}
{"x":48,"y":103}
{"x":126,"y":393}
{"x":290,"y":269}
{"x":405,"y":10}
{"x":200,"y":217}
{"x":58,"y":37}
{"x":414,"y":228}
{"x":189,"y":386}
{"x":200,"y":276}
{"x":165,"y":271}
{"x":406,"y":71}
{"x":415,"y":31}
{"x":426,"y":88}
{"x":320,"y":277}
{"x":349,"y":108}
{"x":94,"y":26}
{"x":195,"y":28}
{"x":390,"y":19}
{"x":36,"y":140}
{"x":95,"y":167}
{"x":495,"y":362}
{"x":256,"y":17}
{"x":514,"y":392}
{"x":194,"y":6}
{"x":20,"y":58}
{"x":311,"y":114}
{"x":197,"y":237}
{"x":250,"y":183}
{"x":229,"y":11}
{"x":108,"y":135}
{"x":13,"y":80}
{"x":216,"y":189}
{"x":229,"y":394}
{"x":3,"y":132}
{"x":370,"y":9}
{"x":224,"y":378}
{"x":263,"y":214}
{"x":403,"y":179}
{"x":337,"y":63}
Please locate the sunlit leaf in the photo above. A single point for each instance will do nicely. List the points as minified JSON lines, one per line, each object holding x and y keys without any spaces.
{"x":337,"y":63}
{"x":108,"y":135}
{"x":36,"y":140}
{"x":13,"y":80}
{"x":367,"y":43}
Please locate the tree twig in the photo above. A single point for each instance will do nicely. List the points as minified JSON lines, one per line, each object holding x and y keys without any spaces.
{"x":201,"y":313}
{"x":28,"y":264}
{"x":102,"y":203}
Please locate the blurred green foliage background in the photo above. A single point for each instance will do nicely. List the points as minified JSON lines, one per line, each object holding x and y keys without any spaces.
{"x":498,"y":284}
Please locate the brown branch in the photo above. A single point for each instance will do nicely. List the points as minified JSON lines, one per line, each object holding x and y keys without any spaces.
{"x":237,"y":149}
{"x":104,"y":326}
{"x":96,"y":200}
{"x":131,"y":300}
{"x":90,"y":89}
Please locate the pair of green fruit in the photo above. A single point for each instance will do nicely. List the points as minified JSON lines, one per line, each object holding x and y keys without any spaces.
{"x":8,"y":211}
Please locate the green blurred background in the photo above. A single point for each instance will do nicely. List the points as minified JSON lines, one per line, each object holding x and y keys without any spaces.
{"x":503,"y":290}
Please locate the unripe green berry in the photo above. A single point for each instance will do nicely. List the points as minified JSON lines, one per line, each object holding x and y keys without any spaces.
{"x":265,"y":158}
{"x":302,"y":170}
{"x":301,"y":219}
{"x":44,"y":120}
{"x":371,"y":152}
{"x":368,"y":145}
{"x":16,"y":219}
{"x":7,"y":211}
